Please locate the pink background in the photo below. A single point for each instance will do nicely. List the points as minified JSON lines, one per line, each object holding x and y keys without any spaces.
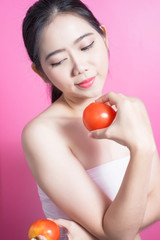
{"x":134,"y":41}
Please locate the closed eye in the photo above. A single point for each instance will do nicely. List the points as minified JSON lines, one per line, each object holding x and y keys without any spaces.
{"x":88,"y":46}
{"x":57,"y":63}
{"x":82,"y":49}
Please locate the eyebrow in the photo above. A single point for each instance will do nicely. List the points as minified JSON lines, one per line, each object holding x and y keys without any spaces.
{"x":62,"y":50}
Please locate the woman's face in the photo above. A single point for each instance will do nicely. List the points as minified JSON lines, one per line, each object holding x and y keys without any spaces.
{"x":74,"y":56}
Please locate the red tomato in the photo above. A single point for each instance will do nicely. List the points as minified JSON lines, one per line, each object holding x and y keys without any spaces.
{"x":98,"y":115}
{"x":44,"y":227}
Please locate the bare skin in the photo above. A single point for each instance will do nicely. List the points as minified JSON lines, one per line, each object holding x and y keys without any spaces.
{"x":58,"y":148}
{"x":72,"y":130}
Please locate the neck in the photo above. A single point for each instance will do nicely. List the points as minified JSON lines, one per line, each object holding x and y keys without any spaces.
{"x":77,"y":105}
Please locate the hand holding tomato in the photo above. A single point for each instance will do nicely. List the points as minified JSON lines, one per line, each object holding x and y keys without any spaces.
{"x":132,"y":127}
{"x":45,"y":228}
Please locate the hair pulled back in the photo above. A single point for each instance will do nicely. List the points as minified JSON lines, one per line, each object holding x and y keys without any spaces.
{"x":41,"y":14}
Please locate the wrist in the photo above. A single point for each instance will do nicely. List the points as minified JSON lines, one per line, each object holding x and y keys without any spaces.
{"x":143,"y":149}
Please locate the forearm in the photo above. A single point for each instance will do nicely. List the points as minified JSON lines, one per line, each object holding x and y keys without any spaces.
{"x":125,"y":215}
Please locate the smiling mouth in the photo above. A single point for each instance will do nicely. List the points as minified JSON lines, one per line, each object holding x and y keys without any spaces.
{"x":87,"y":83}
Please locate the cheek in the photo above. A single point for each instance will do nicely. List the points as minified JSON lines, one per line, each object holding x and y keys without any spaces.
{"x":54,"y":78}
{"x":59,"y":78}
{"x":101,"y":59}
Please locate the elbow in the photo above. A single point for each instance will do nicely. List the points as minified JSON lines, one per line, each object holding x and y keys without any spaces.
{"x":120,"y":230}
{"x":118,"y":233}
{"x":118,"y":236}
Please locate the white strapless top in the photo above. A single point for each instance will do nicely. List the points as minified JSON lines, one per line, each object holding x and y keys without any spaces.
{"x":107,"y":176}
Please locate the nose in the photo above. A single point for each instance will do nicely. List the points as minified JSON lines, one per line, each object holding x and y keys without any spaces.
{"x":79,"y":67}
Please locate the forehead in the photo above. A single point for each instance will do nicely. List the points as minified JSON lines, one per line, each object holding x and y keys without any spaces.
{"x":64,"y":29}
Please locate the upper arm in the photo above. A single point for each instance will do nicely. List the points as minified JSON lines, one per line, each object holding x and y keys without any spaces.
{"x":63,"y":178}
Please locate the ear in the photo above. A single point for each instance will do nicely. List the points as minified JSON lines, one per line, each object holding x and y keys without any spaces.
{"x":103,"y":28}
{"x":33,"y":66}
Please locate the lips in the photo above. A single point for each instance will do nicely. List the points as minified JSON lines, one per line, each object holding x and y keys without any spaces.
{"x":87,"y":83}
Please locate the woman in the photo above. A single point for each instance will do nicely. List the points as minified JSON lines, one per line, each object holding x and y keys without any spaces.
{"x":109,"y":188}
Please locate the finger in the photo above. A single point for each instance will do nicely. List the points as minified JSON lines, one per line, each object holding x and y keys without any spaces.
{"x":61,"y":222}
{"x":111,"y":98}
{"x":41,"y":237}
{"x":98,"y":134}
{"x":66,"y":224}
{"x":107,"y":97}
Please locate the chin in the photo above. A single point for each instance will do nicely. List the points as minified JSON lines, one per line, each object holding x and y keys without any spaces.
{"x":94,"y":94}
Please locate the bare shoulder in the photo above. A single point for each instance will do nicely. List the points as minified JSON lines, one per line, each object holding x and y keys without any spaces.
{"x":43,"y":130}
{"x":35,"y":131}
{"x":37,"y":127}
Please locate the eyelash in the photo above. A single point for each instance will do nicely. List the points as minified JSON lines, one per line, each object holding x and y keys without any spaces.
{"x":83,"y":49}
{"x":58,"y":63}
{"x":88,"y":47}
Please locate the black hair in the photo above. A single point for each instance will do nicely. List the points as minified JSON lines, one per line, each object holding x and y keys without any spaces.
{"x":39,"y":15}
